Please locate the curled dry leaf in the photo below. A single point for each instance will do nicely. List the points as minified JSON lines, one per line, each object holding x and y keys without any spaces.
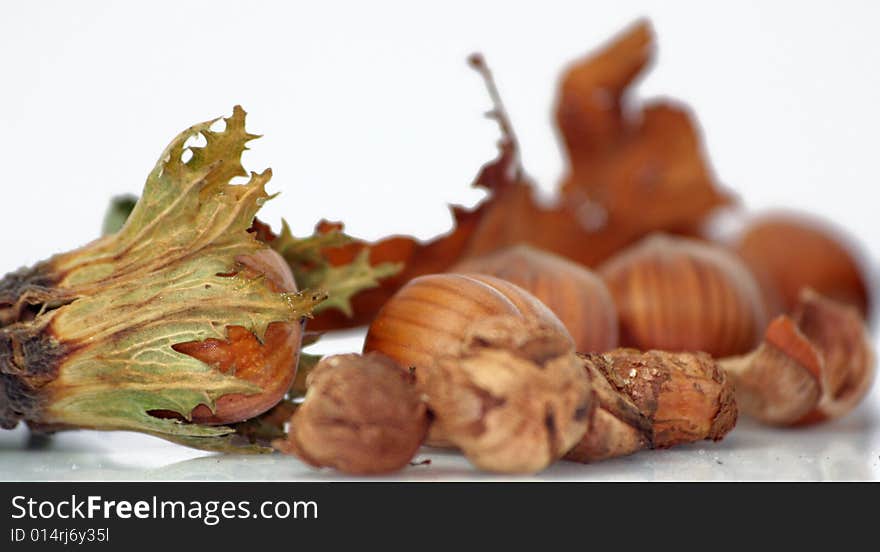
{"x":633,"y":171}
{"x":641,"y":166}
{"x":654,"y":399}
{"x":814,"y":365}
{"x":361,"y":415}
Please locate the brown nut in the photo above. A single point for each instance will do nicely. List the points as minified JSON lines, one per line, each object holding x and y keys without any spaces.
{"x":361,"y":415}
{"x":679,"y":294}
{"x":788,"y":252}
{"x":652,"y":400}
{"x":430,"y":316}
{"x":514,"y":398}
{"x":814,"y":365}
{"x":497,"y":368}
{"x":577,"y":296}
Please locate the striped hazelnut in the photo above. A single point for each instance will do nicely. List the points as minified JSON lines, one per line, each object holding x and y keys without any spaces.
{"x":679,"y":294}
{"x":496,"y":367}
{"x":574,"y":293}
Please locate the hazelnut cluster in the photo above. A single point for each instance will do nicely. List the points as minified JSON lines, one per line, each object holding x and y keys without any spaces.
{"x":497,"y":368}
{"x":613,"y":320}
{"x":516,"y":387}
{"x":604,"y":324}
{"x":506,"y":387}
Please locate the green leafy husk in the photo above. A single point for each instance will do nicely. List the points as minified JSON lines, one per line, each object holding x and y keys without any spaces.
{"x":312,"y":270}
{"x":305,"y":258}
{"x":109,"y":314}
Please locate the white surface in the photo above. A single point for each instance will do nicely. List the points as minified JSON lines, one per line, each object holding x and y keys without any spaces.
{"x":843,"y":450}
{"x":371,"y":116}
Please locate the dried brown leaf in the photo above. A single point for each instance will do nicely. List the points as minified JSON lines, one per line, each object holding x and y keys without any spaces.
{"x":634,"y":170}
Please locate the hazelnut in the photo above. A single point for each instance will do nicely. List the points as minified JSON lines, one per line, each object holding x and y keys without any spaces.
{"x":575,"y":294}
{"x":789,"y":252}
{"x":652,"y":400}
{"x":679,"y":294}
{"x":813,"y":365}
{"x":497,"y":369}
{"x":430,"y":316}
{"x":514,"y":398}
{"x":361,"y":415}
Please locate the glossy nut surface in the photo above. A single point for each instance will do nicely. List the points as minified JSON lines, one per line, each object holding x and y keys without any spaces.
{"x":431,"y":315}
{"x":575,"y":294}
{"x":678,"y":294}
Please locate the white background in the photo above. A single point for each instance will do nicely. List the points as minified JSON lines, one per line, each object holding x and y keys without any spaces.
{"x":371,"y":116}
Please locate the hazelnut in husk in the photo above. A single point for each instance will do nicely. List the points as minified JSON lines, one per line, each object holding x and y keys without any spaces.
{"x":179,"y":321}
{"x":513,"y":398}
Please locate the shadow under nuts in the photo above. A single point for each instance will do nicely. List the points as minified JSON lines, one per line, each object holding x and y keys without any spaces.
{"x":577,"y":296}
{"x":361,"y":415}
{"x":678,"y":294}
{"x":497,"y":368}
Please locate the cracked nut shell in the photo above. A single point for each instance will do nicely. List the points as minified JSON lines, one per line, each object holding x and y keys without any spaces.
{"x":514,"y":398}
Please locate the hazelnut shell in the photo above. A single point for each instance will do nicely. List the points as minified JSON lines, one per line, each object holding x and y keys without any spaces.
{"x":574,"y":293}
{"x":679,"y":294}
